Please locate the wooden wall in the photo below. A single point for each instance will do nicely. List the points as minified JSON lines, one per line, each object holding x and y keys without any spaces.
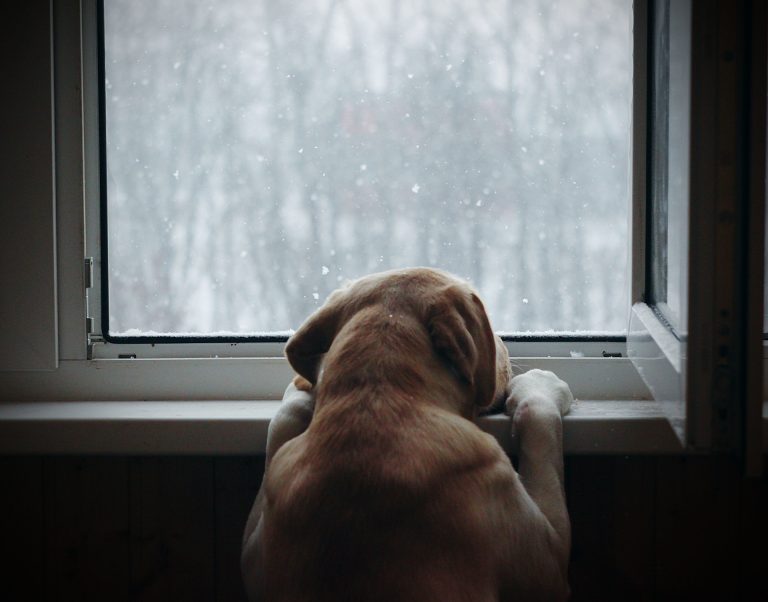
{"x":168,"y":528}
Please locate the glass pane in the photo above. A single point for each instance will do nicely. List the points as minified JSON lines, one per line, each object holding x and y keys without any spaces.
{"x":261,"y":152}
{"x":670,"y":134}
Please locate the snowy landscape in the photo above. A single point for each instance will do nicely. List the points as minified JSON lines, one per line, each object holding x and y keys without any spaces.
{"x":261,"y":152}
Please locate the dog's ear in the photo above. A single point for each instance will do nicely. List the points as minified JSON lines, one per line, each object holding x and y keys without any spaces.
{"x":306,"y":347}
{"x":461,"y":332}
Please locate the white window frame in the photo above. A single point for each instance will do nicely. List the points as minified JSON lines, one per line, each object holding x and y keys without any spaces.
{"x":78,"y":185}
{"x":543,"y":348}
{"x":598,"y":345}
{"x":92,"y":369}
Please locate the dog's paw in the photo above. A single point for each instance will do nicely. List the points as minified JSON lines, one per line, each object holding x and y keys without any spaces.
{"x":302,"y":384}
{"x":540,"y":388}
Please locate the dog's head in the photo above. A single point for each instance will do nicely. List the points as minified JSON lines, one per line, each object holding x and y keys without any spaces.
{"x":437,"y":308}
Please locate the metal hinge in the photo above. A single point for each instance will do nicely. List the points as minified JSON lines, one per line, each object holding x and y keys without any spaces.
{"x":88,"y":272}
{"x":88,"y":284}
{"x":93,"y":337}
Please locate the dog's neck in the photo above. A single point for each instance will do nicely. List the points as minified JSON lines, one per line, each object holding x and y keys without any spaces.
{"x":389,"y":356}
{"x":353,"y":391}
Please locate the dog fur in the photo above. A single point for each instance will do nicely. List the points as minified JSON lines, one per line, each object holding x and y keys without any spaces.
{"x":378,"y":484}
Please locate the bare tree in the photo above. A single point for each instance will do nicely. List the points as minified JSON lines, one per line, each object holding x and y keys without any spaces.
{"x":263,"y":151}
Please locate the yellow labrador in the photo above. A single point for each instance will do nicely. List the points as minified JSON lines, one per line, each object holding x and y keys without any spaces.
{"x":378,"y":484}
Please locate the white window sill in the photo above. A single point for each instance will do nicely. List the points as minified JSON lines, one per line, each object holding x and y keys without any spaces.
{"x":240,"y":427}
{"x":262,"y":378}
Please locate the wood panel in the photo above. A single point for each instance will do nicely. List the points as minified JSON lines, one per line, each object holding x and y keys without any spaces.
{"x":21,"y":524}
{"x":696,"y":522}
{"x":236,"y":482}
{"x":589,"y":494}
{"x":172,"y":529}
{"x":632,"y":537}
{"x":85,"y":526}
{"x":752,"y":578}
{"x":166,"y":528}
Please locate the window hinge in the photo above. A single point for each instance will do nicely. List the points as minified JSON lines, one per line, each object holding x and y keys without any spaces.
{"x":88,"y":272}
{"x":93,"y":337}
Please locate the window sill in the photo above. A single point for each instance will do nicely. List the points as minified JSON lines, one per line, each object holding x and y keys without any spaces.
{"x":240,"y":427}
{"x":262,"y":378}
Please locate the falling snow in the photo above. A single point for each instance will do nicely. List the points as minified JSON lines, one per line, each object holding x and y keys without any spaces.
{"x":511,"y":132}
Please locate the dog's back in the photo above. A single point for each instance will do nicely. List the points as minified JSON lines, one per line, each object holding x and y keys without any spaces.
{"x":385,"y":496}
{"x":382,"y":499}
{"x":392,"y":493}
{"x":388,"y":491}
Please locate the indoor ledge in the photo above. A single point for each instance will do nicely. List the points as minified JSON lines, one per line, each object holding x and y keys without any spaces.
{"x":240,"y":427}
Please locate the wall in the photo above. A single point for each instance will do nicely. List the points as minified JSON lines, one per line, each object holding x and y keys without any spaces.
{"x":168,"y":528}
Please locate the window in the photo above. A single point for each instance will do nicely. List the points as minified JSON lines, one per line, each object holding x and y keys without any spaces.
{"x":669,"y":127}
{"x":695,"y":323}
{"x":259,"y":153}
{"x":696,"y":353}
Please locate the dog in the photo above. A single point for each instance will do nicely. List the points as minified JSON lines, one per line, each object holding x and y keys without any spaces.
{"x":378,"y":485}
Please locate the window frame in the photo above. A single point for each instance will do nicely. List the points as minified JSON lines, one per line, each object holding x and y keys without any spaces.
{"x":88,"y":363}
{"x":90,"y":370}
{"x":105,"y":345}
{"x":710,"y":381}
{"x":653,"y":344}
{"x":603,"y":350}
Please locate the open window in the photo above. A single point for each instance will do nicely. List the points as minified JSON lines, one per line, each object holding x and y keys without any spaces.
{"x":699,"y":170}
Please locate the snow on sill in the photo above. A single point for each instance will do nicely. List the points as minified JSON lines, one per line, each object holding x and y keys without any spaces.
{"x":240,"y":427}
{"x":154,"y":334}
{"x":226,"y":334}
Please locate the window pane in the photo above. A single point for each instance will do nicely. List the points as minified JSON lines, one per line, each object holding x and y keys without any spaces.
{"x":261,"y":152}
{"x":670,"y":135}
